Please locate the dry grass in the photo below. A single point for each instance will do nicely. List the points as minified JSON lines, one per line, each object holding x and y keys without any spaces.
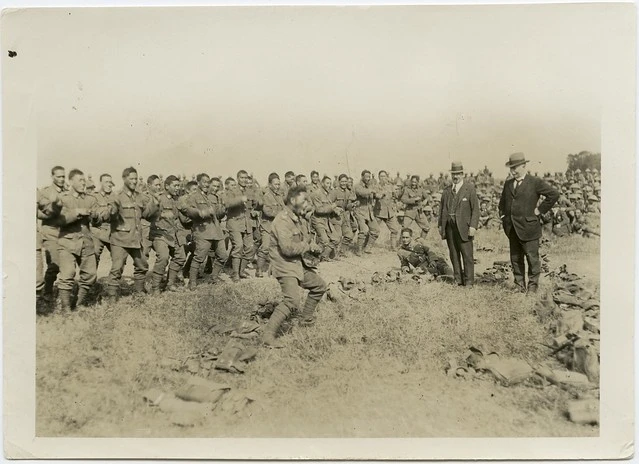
{"x":370,"y":368}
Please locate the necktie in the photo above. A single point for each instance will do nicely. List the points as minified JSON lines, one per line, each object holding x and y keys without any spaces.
{"x":517,"y":184}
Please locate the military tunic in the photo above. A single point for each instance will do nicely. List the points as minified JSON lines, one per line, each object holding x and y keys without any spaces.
{"x":127,"y":210}
{"x":75,"y":242}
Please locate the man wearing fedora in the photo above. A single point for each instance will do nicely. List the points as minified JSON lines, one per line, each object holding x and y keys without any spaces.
{"x":458,"y":222}
{"x":521,"y":219}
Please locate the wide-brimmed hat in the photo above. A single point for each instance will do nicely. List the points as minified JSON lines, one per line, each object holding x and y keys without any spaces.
{"x":456,"y":167}
{"x":516,"y":159}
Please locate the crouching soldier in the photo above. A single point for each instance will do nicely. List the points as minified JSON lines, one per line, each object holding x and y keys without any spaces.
{"x":415,"y":254}
{"x":164,"y":237}
{"x":75,"y":243}
{"x":127,"y":208}
{"x":291,"y":242}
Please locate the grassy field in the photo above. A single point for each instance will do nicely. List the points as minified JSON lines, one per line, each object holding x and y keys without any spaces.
{"x":368,"y":368}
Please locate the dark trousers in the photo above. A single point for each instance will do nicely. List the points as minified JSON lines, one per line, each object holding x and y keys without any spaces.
{"x":528,"y":250}
{"x":461,"y":255}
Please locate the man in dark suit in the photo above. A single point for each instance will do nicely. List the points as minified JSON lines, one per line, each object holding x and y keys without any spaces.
{"x":521,"y":219}
{"x":458,"y":222}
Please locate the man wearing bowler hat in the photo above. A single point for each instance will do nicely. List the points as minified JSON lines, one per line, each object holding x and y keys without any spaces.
{"x":458,"y":222}
{"x":520,"y":215}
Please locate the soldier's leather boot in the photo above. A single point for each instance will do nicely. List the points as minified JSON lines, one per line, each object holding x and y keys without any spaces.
{"x":41,"y":306}
{"x":112,"y":292}
{"x":65,"y":299}
{"x":156,"y":282}
{"x":308,"y":313}
{"x":326,"y":254}
{"x":368,"y":249}
{"x":360,"y":246}
{"x":48,"y":287}
{"x":193,"y":274}
{"x":216,"y":271}
{"x":82,"y":297}
{"x":235,"y":266}
{"x":138,"y":286}
{"x":279,"y":315}
{"x":171,"y":279}
{"x":260,"y":267}
{"x":243,"y":274}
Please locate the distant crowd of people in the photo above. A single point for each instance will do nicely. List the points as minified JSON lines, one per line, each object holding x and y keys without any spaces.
{"x":207,"y":223}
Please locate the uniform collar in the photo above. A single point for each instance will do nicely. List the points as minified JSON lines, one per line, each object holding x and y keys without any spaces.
{"x":294,"y":217}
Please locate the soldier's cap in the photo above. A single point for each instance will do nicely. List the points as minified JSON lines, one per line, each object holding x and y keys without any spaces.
{"x":428,"y":208}
{"x":587,"y":169}
{"x":593,"y":198}
{"x":578,"y":171}
{"x":575,"y":186}
{"x":573,"y":196}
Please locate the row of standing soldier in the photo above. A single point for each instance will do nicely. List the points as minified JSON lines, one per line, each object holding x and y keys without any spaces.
{"x":215,"y":221}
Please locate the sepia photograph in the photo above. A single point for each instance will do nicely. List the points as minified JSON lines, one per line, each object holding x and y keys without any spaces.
{"x":319,"y":222}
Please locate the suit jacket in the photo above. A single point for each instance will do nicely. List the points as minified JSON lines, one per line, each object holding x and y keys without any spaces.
{"x":517,"y":209}
{"x":464,"y":207}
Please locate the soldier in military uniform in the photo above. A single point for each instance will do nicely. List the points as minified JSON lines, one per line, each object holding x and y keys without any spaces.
{"x":291,"y":242}
{"x":386,"y":207}
{"x":364,"y":214}
{"x":50,"y":231}
{"x":415,"y":254}
{"x":301,"y":179}
{"x":415,"y":199}
{"x":127,"y":208}
{"x":484,"y":213}
{"x":345,"y":199}
{"x":579,"y":224}
{"x":46,"y":209}
{"x":164,"y":237}
{"x":593,"y":204}
{"x":101,"y":233}
{"x":256,"y":192}
{"x":316,"y":184}
{"x":205,"y":208}
{"x":242,"y":207}
{"x":289,"y":182}
{"x":75,"y":242}
{"x":184,"y":235}
{"x":273,"y":203}
{"x":560,"y":222}
{"x":328,"y":236}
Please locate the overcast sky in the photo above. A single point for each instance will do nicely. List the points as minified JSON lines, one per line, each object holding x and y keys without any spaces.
{"x":337,"y":89}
